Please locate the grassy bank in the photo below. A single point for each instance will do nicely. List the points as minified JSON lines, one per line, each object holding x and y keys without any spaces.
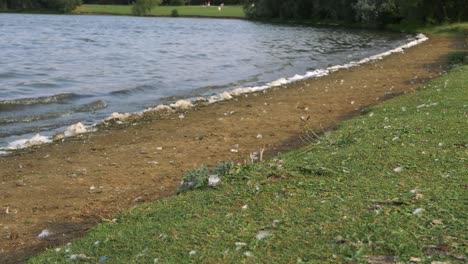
{"x":389,"y":184}
{"x":455,"y":29}
{"x":188,"y":11}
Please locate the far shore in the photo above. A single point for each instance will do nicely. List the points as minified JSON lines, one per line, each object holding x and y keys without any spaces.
{"x":71,"y":185}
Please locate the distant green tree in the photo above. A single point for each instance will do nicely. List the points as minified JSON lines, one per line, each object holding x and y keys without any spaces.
{"x":144,"y":7}
{"x":63,"y":6}
{"x":176,"y":2}
{"x":369,"y":12}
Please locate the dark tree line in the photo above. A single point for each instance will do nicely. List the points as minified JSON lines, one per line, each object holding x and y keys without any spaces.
{"x":165,"y":2}
{"x":374,"y":12}
{"x":63,"y":6}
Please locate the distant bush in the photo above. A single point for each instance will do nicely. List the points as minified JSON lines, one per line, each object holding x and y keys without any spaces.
{"x":143,"y":7}
{"x":369,"y":12}
{"x":174,"y":13}
{"x":63,"y":6}
{"x":176,"y":2}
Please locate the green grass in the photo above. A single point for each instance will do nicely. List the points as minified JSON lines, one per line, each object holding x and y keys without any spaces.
{"x":338,"y":200}
{"x":190,"y":11}
{"x":455,"y":29}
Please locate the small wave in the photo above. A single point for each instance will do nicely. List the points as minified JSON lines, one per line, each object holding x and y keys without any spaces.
{"x":38,"y":100}
{"x":91,"y":107}
{"x":130,"y":91}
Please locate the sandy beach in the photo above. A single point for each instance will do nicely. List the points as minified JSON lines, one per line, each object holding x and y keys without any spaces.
{"x":67,"y":187}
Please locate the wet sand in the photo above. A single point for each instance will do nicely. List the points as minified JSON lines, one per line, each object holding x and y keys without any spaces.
{"x":70,"y":186}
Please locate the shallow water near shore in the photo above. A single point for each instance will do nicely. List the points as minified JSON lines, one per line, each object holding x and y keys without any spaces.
{"x":59,"y":70}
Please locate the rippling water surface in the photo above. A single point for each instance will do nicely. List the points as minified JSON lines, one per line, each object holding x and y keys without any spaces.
{"x":58,"y":70}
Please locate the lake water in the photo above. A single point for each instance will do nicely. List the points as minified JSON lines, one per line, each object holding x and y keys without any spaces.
{"x":58,"y":70}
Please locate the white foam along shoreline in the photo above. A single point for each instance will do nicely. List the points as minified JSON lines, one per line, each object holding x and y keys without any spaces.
{"x":186,"y":104}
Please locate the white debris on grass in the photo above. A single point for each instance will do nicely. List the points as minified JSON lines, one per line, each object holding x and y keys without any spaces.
{"x":240,"y":245}
{"x":214,"y":180}
{"x":181,"y":116}
{"x":192,"y":253}
{"x":245,"y":207}
{"x":263,"y":235}
{"x":418,"y":211}
{"x":234,"y":150}
{"x":415,"y":259}
{"x":398,"y":169}
{"x":92,"y":187}
{"x":76,"y":257}
{"x":248,"y":254}
{"x":259,"y":136}
{"x":58,"y":249}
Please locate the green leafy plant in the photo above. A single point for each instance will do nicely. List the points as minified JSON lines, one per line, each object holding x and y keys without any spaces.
{"x":200,"y":177}
{"x":174,"y":13}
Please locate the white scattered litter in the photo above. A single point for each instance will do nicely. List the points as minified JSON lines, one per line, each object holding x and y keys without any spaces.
{"x":441,"y":144}
{"x":153,"y":162}
{"x":395,"y":138}
{"x":263,"y":235}
{"x":245,"y":207}
{"x":76,"y":257}
{"x":58,"y":249}
{"x":234,"y":150}
{"x":371,"y":114}
{"x":248,"y":254}
{"x":353,"y":102}
{"x":240,"y":245}
{"x":193,"y":252}
{"x":259,"y":136}
{"x":418,"y":211}
{"x":398,"y":169}
{"x":97,"y":243}
{"x":92,"y":187}
{"x":45,"y":233}
{"x":415,"y":259}
{"x":159,"y":148}
{"x":181,"y":116}
{"x":67,"y":250}
{"x":214,"y":180}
